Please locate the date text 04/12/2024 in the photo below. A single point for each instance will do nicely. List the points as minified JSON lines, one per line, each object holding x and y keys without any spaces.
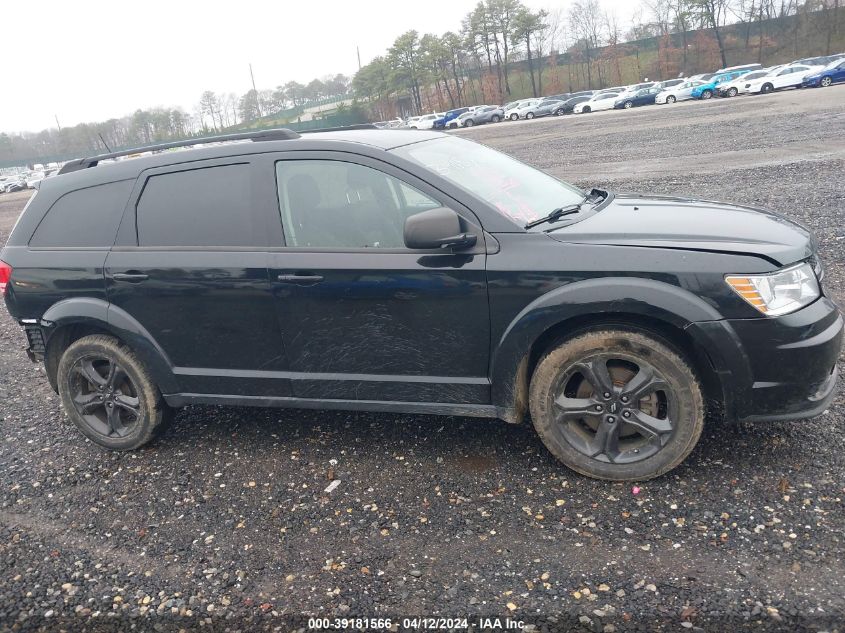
{"x":418,"y":623}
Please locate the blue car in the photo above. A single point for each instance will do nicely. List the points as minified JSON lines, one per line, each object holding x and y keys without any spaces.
{"x":707,"y":90}
{"x":443,"y":121}
{"x":830,"y":74}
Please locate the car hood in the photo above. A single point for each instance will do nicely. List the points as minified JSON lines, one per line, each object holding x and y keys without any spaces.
{"x":681,"y":223}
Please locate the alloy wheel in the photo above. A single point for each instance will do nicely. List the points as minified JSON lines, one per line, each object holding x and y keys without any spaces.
{"x":615,"y":409}
{"x":104,"y":396}
{"x":732,"y":92}
{"x":826,"y":81}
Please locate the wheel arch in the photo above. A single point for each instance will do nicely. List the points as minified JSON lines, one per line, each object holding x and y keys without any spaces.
{"x":650,"y":307}
{"x":69,"y":320}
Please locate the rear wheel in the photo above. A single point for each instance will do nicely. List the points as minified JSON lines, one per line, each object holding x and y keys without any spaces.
{"x":767,"y":88}
{"x":732,"y":92}
{"x":617,"y":404}
{"x":706,"y":94}
{"x":671,"y":99}
{"x":109,"y":395}
{"x":826,"y":81}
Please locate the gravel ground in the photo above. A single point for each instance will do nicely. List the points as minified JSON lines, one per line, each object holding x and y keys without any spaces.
{"x":225,"y":524}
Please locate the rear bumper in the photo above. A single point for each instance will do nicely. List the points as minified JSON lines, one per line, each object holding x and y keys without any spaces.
{"x":779,"y":368}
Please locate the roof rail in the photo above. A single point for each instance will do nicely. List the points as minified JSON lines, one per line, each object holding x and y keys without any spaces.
{"x":278,"y":134}
{"x":341,"y":128}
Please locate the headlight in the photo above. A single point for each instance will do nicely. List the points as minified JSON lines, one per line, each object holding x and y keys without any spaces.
{"x":780,"y":292}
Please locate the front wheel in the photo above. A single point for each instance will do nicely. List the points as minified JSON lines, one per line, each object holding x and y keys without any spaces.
{"x":586,"y":110}
{"x":732,"y":92}
{"x":495,"y":118}
{"x":469,"y":123}
{"x":825,"y":82}
{"x":670,"y":99}
{"x":109,"y":395}
{"x":767,"y":88}
{"x":530,"y":115}
{"x":629,"y":104}
{"x":706,"y":94}
{"x":514,"y":117}
{"x":617,"y":404}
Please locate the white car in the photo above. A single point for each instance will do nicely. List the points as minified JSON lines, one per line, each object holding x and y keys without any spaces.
{"x":34,"y":178}
{"x":736,"y":86}
{"x":426,"y":121}
{"x":671,"y":83}
{"x":786,"y":77}
{"x":524,"y":111}
{"x":681,"y":92}
{"x":601,"y":101}
{"x":511,"y":108}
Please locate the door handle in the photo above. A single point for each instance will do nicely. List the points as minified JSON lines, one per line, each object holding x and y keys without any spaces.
{"x":302,"y":280}
{"x":131,"y":277}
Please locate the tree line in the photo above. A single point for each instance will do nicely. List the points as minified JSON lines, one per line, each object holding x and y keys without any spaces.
{"x":501,"y":38}
{"x":503,"y":50}
{"x":213,"y":113}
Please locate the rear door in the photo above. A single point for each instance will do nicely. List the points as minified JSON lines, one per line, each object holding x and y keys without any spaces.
{"x":190,"y":265}
{"x":363,"y":317}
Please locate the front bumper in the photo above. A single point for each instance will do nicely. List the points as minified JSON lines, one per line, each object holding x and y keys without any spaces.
{"x":780,"y":368}
{"x":811,"y":83}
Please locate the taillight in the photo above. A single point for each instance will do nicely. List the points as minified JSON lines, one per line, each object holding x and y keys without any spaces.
{"x":5,"y":276}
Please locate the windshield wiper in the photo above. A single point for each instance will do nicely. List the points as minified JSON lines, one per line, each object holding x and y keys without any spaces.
{"x":556,"y":214}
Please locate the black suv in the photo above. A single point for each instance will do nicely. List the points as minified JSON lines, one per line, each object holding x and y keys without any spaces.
{"x":406,"y":272}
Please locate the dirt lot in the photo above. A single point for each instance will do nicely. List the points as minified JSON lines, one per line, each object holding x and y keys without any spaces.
{"x":225,"y":521}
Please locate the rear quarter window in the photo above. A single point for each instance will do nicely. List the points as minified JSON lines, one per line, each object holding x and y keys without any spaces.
{"x":84,"y":218}
{"x":209,"y":206}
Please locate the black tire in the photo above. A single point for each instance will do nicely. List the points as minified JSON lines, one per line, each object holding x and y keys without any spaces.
{"x":495,"y":118}
{"x":629,"y":105}
{"x":660,"y":427}
{"x":706,"y":94}
{"x":558,"y":112}
{"x":469,"y":123}
{"x":671,"y":99}
{"x":767,"y":88}
{"x":109,"y":394}
{"x":586,"y":110}
{"x":514,"y":117}
{"x":530,"y":115}
{"x":825,"y":82}
{"x":732,"y":92}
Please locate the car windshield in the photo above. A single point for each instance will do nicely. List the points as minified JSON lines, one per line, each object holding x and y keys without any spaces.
{"x":521,"y":192}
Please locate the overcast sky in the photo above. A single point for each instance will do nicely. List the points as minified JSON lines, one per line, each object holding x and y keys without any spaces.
{"x":92,"y":60}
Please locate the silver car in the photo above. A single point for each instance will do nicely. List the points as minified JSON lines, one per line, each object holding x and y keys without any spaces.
{"x":482,"y":114}
{"x":681,"y":92}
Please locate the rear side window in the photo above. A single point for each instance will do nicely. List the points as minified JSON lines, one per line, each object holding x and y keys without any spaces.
{"x":84,"y":218}
{"x":200,"y":207}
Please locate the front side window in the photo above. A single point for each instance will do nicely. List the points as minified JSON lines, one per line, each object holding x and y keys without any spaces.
{"x":514,"y":188}
{"x":210,"y":206}
{"x":84,"y":218}
{"x":337,"y":204}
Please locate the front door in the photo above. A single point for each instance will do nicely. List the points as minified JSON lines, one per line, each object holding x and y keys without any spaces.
{"x":190,"y":266}
{"x":363,"y":317}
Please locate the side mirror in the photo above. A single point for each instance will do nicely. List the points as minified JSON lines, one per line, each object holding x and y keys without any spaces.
{"x":436,"y":228}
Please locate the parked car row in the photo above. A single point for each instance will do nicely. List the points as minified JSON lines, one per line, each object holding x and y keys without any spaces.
{"x":24,"y":180}
{"x":725,"y":82}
